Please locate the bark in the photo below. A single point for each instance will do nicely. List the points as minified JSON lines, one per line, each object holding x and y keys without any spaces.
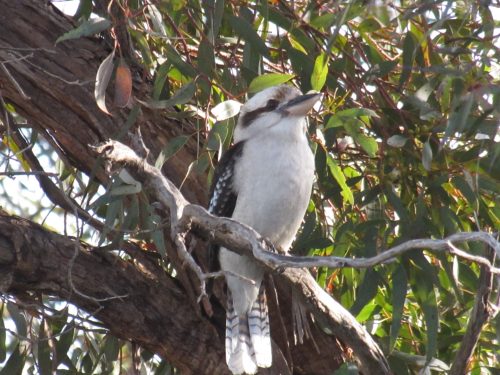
{"x":135,"y":300}
{"x":52,"y":87}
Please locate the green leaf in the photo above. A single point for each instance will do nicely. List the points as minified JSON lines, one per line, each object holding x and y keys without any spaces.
{"x":143,"y":45}
{"x":159,"y":241}
{"x":459,"y":116}
{"x":409,"y":48}
{"x":84,"y":10}
{"x":340,"y":178}
{"x":181,"y":96}
{"x":324,"y":21}
{"x":246,"y":31}
{"x":132,"y":213}
{"x":214,"y":18}
{"x":172,"y":147}
{"x":131,"y":120}
{"x":206,"y":58}
{"x":423,"y":289}
{"x":63,"y":344}
{"x":369,"y":144}
{"x":367,"y":310}
{"x":268,"y":80}
{"x":369,"y":25}
{"x":43,"y":355}
{"x":399,"y":290}
{"x":111,"y":348}
{"x":397,"y":204}
{"x":113,"y":214}
{"x":87,"y":28}
{"x":161,"y":79}
{"x":320,"y":72}
{"x":157,"y":19}
{"x":217,"y":137}
{"x":366,"y":291}
{"x":347,"y":368}
{"x":421,"y":361}
{"x":185,"y":68}
{"x":461,"y":184}
{"x":340,"y":117}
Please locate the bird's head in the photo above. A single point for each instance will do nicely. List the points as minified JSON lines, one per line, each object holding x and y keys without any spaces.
{"x":278,"y":109}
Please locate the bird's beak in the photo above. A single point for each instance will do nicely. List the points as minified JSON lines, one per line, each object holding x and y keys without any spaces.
{"x":300,"y":105}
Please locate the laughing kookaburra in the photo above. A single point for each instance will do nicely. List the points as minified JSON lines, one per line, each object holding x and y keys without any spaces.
{"x":264,"y":181}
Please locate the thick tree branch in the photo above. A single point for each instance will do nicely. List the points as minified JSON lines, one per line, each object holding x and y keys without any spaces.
{"x":52,"y":87}
{"x":243,"y":239}
{"x":136,"y":300}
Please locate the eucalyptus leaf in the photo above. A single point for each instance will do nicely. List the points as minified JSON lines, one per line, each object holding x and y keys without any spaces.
{"x":340,"y":178}
{"x":102,"y":80}
{"x":172,"y":147}
{"x":245,"y":30}
{"x":14,"y":364}
{"x":88,"y":27}
{"x":268,"y":80}
{"x":397,"y":141}
{"x":399,"y":290}
{"x":181,"y":96}
{"x":226,"y":109}
{"x":320,"y":71}
{"x":427,"y":156}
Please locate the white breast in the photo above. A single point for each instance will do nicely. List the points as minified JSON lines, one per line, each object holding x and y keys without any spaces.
{"x":274,"y":179}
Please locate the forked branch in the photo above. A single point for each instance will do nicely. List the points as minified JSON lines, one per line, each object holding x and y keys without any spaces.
{"x":243,"y":240}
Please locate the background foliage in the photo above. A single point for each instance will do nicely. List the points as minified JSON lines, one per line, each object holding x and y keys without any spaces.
{"x":406,"y":144}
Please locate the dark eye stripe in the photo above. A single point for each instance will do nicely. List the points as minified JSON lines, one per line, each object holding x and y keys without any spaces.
{"x":272,"y":104}
{"x":249,"y":117}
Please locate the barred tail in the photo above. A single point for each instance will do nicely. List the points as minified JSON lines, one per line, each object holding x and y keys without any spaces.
{"x":260,"y":334}
{"x":248,"y":341}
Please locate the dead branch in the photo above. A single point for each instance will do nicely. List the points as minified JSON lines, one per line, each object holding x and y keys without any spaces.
{"x":481,"y":313}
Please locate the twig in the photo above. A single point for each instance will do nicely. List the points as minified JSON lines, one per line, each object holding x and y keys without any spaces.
{"x":481,"y":313}
{"x":15,"y":83}
{"x":80,"y":293}
{"x":439,"y":245}
{"x":32,"y":173}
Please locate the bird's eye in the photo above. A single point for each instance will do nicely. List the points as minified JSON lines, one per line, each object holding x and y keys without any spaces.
{"x":272,"y":104}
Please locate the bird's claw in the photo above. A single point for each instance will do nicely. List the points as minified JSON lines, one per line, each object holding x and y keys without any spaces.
{"x":269,"y":246}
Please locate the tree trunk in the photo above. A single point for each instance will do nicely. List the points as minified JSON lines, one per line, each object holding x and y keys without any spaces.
{"x":52,"y":87}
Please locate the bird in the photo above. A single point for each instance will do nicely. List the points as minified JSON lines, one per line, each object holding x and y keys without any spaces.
{"x":264,"y":180}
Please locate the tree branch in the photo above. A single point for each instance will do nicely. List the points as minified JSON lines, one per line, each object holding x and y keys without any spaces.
{"x":243,"y":240}
{"x":136,"y":299}
{"x":481,"y":313}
